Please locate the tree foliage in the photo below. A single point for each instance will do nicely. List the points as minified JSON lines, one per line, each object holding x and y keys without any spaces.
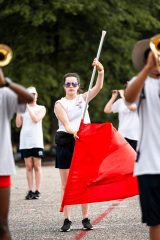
{"x":50,"y":38}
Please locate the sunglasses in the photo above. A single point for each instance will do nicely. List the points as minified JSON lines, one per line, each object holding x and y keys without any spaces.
{"x":73,"y":84}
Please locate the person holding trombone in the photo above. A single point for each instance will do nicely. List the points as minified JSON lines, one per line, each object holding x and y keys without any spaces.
{"x":145,"y":89}
{"x":13,"y":98}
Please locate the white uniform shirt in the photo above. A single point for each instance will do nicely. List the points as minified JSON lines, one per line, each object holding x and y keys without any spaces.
{"x":74,"y":109}
{"x":128,"y":120}
{"x":8,"y":106}
{"x":149,"y":144}
{"x":31,"y":134}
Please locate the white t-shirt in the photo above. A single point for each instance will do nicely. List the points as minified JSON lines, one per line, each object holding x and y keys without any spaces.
{"x":31,"y":134}
{"x":8,"y":106}
{"x":128,"y":120}
{"x":149,"y":115}
{"x":74,"y":109}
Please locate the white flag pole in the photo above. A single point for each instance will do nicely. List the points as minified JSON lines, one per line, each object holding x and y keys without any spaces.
{"x":94,"y":71}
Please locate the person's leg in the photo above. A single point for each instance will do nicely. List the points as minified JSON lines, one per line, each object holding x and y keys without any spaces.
{"x":38,"y":172}
{"x":85,"y":208}
{"x":86,"y":221}
{"x":4,"y":210}
{"x":149,"y":201}
{"x":29,"y":172}
{"x":64,"y":176}
{"x":64,"y":154}
{"x":154,"y":232}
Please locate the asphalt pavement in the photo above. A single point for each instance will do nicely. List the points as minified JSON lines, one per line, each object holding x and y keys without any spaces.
{"x":41,"y":220}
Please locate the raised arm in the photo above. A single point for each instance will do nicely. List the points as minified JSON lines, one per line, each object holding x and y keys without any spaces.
{"x":99,"y":82}
{"x":134,"y":88}
{"x":108,"y":106}
{"x":36,"y":117}
{"x":23,"y":95}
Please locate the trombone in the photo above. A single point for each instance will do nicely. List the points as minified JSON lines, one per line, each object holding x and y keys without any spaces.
{"x":155,"y":47}
{"x":6,"y":55}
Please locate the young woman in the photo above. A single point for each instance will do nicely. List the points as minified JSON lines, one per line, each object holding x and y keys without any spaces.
{"x":128,"y":117}
{"x":31,"y":142}
{"x":69,"y":110}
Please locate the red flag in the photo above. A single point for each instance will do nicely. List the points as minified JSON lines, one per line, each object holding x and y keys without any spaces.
{"x":102,"y":167}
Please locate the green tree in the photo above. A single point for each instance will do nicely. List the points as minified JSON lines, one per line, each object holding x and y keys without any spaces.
{"x":50,"y":38}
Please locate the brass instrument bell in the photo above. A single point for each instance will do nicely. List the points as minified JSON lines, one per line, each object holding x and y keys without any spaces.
{"x":5,"y":55}
{"x":155,"y":47}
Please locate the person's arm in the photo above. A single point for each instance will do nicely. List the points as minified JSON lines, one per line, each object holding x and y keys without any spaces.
{"x":132,"y":107}
{"x":23,"y":95}
{"x":108,"y":106}
{"x":63,"y":118}
{"x":36,"y":117}
{"x":19,"y":120}
{"x":99,"y":82}
{"x":121,"y":93}
{"x":134,"y":88}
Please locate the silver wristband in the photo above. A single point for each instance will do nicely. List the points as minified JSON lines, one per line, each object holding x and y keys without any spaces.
{"x":8,"y":81}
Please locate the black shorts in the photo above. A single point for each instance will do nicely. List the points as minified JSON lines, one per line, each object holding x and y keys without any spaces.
{"x":64,"y":150}
{"x":149,"y":189}
{"x":32,"y":152}
{"x":132,"y":142}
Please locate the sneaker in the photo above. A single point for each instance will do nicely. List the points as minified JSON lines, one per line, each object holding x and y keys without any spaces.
{"x":30,"y":195}
{"x":66,"y":225}
{"x":37,"y":194}
{"x":86,"y":224}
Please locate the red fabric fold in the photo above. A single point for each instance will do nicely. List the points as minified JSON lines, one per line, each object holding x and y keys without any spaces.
{"x":102,"y":167}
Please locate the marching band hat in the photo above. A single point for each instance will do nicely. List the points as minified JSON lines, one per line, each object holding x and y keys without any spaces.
{"x":32,"y":90}
{"x":138,"y":53}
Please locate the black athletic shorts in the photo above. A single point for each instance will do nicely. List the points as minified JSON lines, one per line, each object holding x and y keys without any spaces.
{"x":64,"y":150}
{"x":132,"y":142}
{"x":32,"y":152}
{"x":149,"y":188}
